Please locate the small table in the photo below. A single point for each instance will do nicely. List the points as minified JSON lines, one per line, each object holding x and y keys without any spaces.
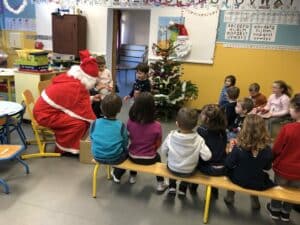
{"x":9,"y":108}
{"x":8,"y":75}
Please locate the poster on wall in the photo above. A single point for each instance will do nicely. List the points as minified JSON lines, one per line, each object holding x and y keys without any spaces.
{"x":263,"y":29}
{"x":165,"y":31}
{"x":235,"y":31}
{"x":263,"y":32}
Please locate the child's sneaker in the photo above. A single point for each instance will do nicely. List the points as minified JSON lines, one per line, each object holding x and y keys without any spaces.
{"x":229,"y":199}
{"x":255,"y":204}
{"x":182,"y":193}
{"x":275,"y":215}
{"x":161,"y":186}
{"x":172,"y":191}
{"x":285,"y":217}
{"x":114,"y":178}
{"x":132,"y":179}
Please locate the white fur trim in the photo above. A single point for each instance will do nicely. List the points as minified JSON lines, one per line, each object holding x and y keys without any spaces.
{"x":87,"y":80}
{"x":67,"y":111}
{"x":71,"y":150}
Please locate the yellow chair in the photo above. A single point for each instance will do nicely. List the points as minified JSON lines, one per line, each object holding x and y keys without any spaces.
{"x":43,"y":84}
{"x":96,"y":168}
{"x":10,"y":152}
{"x":42,"y":134}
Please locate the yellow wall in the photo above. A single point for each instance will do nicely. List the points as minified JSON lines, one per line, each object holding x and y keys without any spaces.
{"x":248,"y":65}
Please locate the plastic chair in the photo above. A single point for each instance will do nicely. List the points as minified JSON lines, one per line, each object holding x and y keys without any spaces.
{"x":15,"y":123}
{"x":9,"y":152}
{"x":43,"y":84}
{"x":42,"y":134}
{"x":4,"y":129}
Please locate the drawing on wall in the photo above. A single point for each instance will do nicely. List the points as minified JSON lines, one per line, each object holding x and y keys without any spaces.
{"x":172,"y":30}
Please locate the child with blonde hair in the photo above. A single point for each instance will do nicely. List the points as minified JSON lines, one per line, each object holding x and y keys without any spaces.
{"x":286,"y":162}
{"x":277,"y":107}
{"x":103,"y":87}
{"x":183,"y":147}
{"x":248,"y":160}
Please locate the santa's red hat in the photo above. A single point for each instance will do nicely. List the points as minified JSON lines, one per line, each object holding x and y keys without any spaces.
{"x":84,"y":54}
{"x":182,"y":31}
{"x":89,"y":67}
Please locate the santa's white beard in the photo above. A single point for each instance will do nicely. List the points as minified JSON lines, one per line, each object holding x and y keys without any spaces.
{"x":76,"y":72}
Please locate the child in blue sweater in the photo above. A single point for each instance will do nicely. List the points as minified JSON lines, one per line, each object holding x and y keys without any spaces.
{"x":109,"y":135}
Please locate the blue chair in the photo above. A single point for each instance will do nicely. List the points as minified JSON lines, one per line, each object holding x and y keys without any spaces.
{"x":10,"y":152}
{"x":4,"y":129}
{"x":15,"y":123}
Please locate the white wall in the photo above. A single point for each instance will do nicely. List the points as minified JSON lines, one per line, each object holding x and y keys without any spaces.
{"x":96,"y":25}
{"x":136,"y":24}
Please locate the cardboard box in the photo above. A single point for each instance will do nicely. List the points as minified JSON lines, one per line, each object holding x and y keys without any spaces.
{"x":85,"y":155}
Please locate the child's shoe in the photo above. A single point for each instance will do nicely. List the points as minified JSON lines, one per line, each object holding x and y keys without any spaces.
{"x":114,"y":178}
{"x":132,"y":179}
{"x":161,"y":186}
{"x":255,"y":205}
{"x":229,"y":199}
{"x":285,"y":217}
{"x":182,"y":193}
{"x":275,"y":215}
{"x":172,"y":191}
{"x":214,"y":193}
{"x":193,"y":188}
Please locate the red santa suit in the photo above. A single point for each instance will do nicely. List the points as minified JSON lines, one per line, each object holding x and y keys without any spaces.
{"x":65,"y":105}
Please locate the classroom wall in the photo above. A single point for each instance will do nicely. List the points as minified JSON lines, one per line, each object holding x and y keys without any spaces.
{"x":249,"y":65}
{"x":136,"y":24}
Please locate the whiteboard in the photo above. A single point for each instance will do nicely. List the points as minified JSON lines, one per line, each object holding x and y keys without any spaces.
{"x":201,"y":25}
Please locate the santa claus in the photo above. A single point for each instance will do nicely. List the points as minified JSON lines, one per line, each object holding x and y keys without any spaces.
{"x":65,"y":105}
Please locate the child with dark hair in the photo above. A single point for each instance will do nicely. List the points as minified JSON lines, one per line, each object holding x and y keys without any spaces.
{"x":286,"y":160}
{"x":109,"y":135}
{"x":243,"y":107}
{"x":232,"y":94}
{"x":248,"y":160}
{"x":142,"y":83}
{"x":213,"y":131}
{"x":228,"y":82}
{"x":145,"y":136}
{"x":183,"y":147}
{"x":258,"y":98}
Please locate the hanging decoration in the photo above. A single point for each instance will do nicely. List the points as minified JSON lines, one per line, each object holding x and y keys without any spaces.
{"x":17,"y":11}
{"x":220,"y":4}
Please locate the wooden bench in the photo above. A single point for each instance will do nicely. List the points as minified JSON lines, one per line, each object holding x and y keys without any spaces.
{"x":130,"y":56}
{"x":160,"y":169}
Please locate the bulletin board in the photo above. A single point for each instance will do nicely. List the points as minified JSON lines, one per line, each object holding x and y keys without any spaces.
{"x":201,"y":25}
{"x":267,"y":29}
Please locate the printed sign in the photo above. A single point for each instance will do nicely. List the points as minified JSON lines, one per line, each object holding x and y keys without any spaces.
{"x":263,"y":32}
{"x":237,"y":31}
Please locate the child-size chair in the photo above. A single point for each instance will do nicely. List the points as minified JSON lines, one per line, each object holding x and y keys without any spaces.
{"x":4,"y":129}
{"x":42,"y":134}
{"x":9,"y":152}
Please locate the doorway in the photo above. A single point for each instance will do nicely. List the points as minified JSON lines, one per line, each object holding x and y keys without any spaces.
{"x":130,"y":39}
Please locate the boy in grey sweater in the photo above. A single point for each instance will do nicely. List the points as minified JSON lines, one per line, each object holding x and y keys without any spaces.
{"x":183,"y":148}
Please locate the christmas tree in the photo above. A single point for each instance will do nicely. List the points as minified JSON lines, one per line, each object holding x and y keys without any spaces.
{"x":170,"y":93}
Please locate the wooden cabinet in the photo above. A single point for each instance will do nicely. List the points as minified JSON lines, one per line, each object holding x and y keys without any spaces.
{"x":68,"y":34}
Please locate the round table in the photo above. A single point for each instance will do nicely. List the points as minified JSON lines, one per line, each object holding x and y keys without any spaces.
{"x":9,"y":108}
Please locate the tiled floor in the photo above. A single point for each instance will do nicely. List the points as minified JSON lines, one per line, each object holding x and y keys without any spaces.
{"x":58,"y":192}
